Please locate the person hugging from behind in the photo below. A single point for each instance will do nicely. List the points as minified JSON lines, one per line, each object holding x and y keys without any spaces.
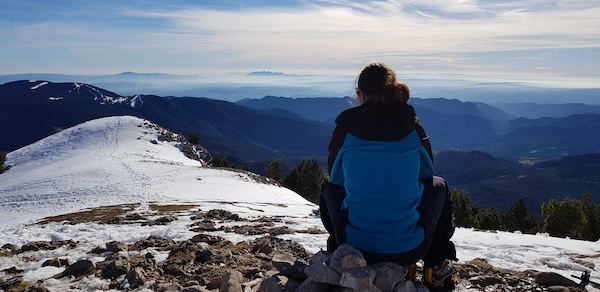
{"x":382,"y":197}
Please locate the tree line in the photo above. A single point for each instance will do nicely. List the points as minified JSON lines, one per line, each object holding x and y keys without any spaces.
{"x":573,"y":218}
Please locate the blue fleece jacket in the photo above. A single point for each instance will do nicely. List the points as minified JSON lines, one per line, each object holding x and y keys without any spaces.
{"x":381,"y":155}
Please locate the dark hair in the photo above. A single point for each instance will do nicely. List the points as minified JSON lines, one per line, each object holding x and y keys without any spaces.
{"x":378,"y":83}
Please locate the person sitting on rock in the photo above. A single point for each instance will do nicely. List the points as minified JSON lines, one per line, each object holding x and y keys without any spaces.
{"x":382,"y":197}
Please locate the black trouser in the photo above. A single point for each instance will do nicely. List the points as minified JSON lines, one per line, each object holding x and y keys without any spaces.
{"x":435,"y":211}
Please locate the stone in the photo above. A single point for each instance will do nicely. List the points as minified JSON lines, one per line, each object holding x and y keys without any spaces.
{"x":342,"y":251}
{"x":115,"y":246}
{"x":232,"y":282}
{"x":113,"y":268}
{"x":57,"y":263}
{"x":169,"y":287}
{"x":135,"y":278}
{"x":310,"y":285}
{"x":278,"y":283}
{"x":353,"y":261}
{"x":405,"y":286}
{"x":387,"y":275}
{"x":79,"y":268}
{"x":322,"y":273}
{"x":553,"y":279}
{"x":485,"y":280}
{"x":288,"y":266}
{"x":321,"y":257}
{"x":358,"y":279}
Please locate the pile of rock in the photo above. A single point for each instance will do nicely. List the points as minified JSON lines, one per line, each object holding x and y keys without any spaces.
{"x":347,"y":270}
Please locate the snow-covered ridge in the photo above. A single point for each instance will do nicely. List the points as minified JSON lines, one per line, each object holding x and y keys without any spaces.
{"x":98,"y":95}
{"x":117,"y":160}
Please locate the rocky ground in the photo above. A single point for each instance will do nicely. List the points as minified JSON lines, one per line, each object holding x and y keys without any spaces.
{"x":207,"y":262}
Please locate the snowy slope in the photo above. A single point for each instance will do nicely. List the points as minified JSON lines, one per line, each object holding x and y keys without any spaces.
{"x":122,"y":160}
{"x":115,"y":160}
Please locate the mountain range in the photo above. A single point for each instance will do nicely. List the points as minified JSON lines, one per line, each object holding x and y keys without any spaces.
{"x":254,"y":132}
{"x":109,"y":204}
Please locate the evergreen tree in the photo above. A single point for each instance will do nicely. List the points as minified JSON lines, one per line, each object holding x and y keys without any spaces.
{"x":193,"y":139}
{"x":591,"y":230}
{"x":305,"y":179}
{"x":490,"y":219}
{"x":464,"y":211}
{"x":273,"y":170}
{"x":564,"y":218}
{"x":219,"y":161}
{"x":2,"y":161}
{"x":518,"y":218}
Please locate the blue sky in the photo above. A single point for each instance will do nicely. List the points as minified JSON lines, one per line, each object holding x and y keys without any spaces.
{"x":548,"y":41}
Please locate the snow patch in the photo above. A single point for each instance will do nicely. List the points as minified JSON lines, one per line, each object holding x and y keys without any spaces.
{"x":38,"y":85}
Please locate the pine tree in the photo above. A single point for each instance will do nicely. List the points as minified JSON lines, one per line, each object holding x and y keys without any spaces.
{"x":464,"y":211}
{"x":2,"y":161}
{"x":519,"y":219}
{"x":193,"y":139}
{"x":274,"y":170}
{"x":564,"y":218}
{"x":591,"y":230}
{"x":305,"y":179}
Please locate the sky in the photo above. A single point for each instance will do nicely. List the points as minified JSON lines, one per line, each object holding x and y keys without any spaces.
{"x":515,"y":39}
{"x":111,"y":161}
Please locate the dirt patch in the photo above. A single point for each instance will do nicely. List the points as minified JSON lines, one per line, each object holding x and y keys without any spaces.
{"x":100,"y":214}
{"x":170,"y":208}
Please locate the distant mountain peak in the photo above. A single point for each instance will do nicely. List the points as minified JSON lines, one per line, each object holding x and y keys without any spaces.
{"x":265,"y":73}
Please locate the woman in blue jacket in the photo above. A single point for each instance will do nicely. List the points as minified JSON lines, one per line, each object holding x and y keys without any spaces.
{"x":381,"y":166}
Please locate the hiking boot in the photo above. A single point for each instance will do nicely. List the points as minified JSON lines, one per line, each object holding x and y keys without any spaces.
{"x":436,"y":276}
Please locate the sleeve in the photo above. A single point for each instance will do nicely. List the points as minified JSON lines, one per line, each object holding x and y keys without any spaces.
{"x":426,"y":167}
{"x":424,"y":138}
{"x":333,"y":165}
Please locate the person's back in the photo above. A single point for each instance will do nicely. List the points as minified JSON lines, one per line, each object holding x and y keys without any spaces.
{"x":383,"y":198}
{"x":379,"y":164}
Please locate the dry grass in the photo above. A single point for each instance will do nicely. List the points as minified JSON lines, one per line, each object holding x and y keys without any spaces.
{"x":170,"y":208}
{"x":100,"y":214}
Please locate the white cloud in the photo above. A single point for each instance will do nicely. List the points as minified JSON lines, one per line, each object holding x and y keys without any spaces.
{"x":327,"y":33}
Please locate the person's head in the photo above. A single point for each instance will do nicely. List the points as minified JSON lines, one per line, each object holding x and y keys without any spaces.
{"x":378,"y":83}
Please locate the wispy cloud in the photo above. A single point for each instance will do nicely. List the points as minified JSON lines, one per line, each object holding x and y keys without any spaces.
{"x":321,"y":35}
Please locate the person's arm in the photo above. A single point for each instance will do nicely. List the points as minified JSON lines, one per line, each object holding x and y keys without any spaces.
{"x":424,"y":138}
{"x":334,"y":167}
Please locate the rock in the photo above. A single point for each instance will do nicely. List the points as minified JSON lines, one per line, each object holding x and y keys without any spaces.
{"x":358,"y":279}
{"x":152,"y":241}
{"x":46,"y":245}
{"x":79,"y":268}
{"x":221,"y":215}
{"x":278,"y":283}
{"x":232,"y":282}
{"x":406,"y":286}
{"x":553,"y":279}
{"x":342,"y":251}
{"x":12,"y":270}
{"x":321,"y":257}
{"x":310,"y":285}
{"x":114,"y":246}
{"x":485,"y":280}
{"x":387,"y":275}
{"x":322,"y":273}
{"x":135,"y":278}
{"x":564,"y":289}
{"x":209,"y":239}
{"x":353,"y":261}
{"x":168,"y":287}
{"x":56,"y":262}
{"x":114,"y":266}
{"x":288,"y":266}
